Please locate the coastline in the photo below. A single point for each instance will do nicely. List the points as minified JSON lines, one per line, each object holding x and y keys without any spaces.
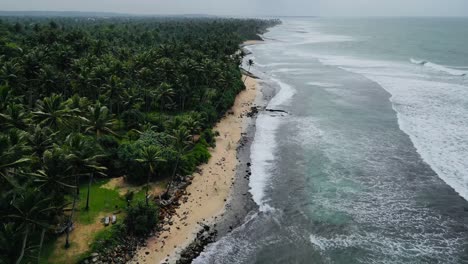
{"x":210,"y":192}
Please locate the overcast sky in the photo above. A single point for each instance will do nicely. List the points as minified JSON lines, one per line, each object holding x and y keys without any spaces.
{"x":252,"y":7}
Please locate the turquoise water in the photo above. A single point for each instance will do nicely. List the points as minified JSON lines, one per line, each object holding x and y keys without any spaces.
{"x":370,"y":165}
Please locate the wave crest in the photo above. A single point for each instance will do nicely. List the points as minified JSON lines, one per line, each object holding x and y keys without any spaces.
{"x":446,"y":69}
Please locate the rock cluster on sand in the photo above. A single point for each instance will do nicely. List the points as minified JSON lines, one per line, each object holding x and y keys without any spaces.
{"x":204,"y":237}
{"x":119,"y":254}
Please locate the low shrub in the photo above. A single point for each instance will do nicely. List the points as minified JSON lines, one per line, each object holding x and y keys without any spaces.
{"x":141,"y":218}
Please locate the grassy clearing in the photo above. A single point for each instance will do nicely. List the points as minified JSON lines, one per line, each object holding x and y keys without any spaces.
{"x":101,"y":201}
{"x":88,"y":226}
{"x":104,"y":201}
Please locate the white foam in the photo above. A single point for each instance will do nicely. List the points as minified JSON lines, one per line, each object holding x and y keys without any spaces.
{"x":441,"y":68}
{"x":264,"y":146}
{"x":261,"y":155}
{"x":432,"y":113}
{"x":314,"y":240}
{"x":324,"y":84}
{"x":283,"y":96}
{"x":386,"y":246}
{"x":445,"y":69}
{"x":314,"y":37}
{"x":317,"y":37}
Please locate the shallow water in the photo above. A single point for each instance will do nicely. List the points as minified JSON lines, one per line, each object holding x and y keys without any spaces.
{"x":370,"y":165}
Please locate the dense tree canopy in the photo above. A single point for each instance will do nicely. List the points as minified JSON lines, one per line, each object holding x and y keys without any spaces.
{"x":86,"y":97}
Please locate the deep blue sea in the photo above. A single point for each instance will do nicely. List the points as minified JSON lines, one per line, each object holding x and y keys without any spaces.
{"x":370,"y":165}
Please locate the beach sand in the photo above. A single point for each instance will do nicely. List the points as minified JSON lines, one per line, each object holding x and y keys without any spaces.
{"x":210,"y":189}
{"x":252,"y":42}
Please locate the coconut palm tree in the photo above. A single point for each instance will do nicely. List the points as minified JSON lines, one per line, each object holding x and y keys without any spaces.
{"x":53,"y":112}
{"x":15,"y":116}
{"x":164,"y":95}
{"x":150,"y":157}
{"x":40,"y":139}
{"x":181,"y":141}
{"x":12,"y":149}
{"x":29,"y":211}
{"x":99,"y":120}
{"x":250,"y":62}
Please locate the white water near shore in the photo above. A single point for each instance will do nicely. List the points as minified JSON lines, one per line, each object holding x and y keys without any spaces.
{"x":433,"y":113}
{"x":364,"y":167}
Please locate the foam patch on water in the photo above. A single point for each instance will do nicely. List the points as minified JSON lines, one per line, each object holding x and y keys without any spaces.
{"x":314,"y":37}
{"x":324,"y":84}
{"x":240,"y":245}
{"x":432,"y":113}
{"x":441,"y":68}
{"x":385,"y":248}
{"x":285,"y":94}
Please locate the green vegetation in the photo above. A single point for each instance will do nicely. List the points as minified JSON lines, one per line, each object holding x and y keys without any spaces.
{"x":141,"y":218}
{"x":103,"y":201}
{"x":82,"y":99}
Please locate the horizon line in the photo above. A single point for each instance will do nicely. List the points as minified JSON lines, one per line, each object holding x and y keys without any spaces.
{"x":131,"y":14}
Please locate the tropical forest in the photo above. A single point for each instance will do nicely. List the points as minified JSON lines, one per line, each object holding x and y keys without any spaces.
{"x":84,"y":100}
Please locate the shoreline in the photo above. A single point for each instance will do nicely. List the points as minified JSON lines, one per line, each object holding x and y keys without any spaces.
{"x":211,"y":190}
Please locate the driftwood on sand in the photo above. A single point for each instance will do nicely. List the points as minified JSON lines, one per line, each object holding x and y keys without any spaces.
{"x":247,"y":73}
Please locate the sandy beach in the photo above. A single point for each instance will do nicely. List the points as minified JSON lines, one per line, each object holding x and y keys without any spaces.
{"x":210,"y":189}
{"x":252,"y":42}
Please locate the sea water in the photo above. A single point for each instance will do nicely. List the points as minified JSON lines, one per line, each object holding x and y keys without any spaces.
{"x":370,"y":165}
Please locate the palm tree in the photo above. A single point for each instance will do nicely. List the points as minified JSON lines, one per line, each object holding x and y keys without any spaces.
{"x":96,"y":169}
{"x":78,"y":103}
{"x":193,"y":125}
{"x":10,"y":242}
{"x":15,"y":116}
{"x":164,"y":95}
{"x":99,"y":120}
{"x":12,"y":148}
{"x":182,"y":140}
{"x":51,"y":180}
{"x":250,"y":62}
{"x":30,"y":210}
{"x":150,"y":156}
{"x":53,"y":112}
{"x":54,"y":182}
{"x":40,"y":139}
{"x":5,"y":97}
{"x":82,"y":157}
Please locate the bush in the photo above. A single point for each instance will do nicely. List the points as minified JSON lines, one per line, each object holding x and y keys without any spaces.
{"x":132,"y":119}
{"x":129,"y":151}
{"x":209,"y":136}
{"x":141,"y":218}
{"x":198,"y":155}
{"x":108,"y":237}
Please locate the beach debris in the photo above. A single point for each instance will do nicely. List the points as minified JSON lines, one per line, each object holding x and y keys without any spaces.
{"x":276,"y":111}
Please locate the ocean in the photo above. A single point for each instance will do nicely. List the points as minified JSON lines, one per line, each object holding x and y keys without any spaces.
{"x":370,"y":162}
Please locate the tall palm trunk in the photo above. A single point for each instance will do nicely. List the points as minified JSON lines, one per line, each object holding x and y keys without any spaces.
{"x":173,"y":176}
{"x":41,"y":242}
{"x":70,"y":222}
{"x":77,"y":182}
{"x":91,"y":176}
{"x":23,"y":247}
{"x":147,"y":188}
